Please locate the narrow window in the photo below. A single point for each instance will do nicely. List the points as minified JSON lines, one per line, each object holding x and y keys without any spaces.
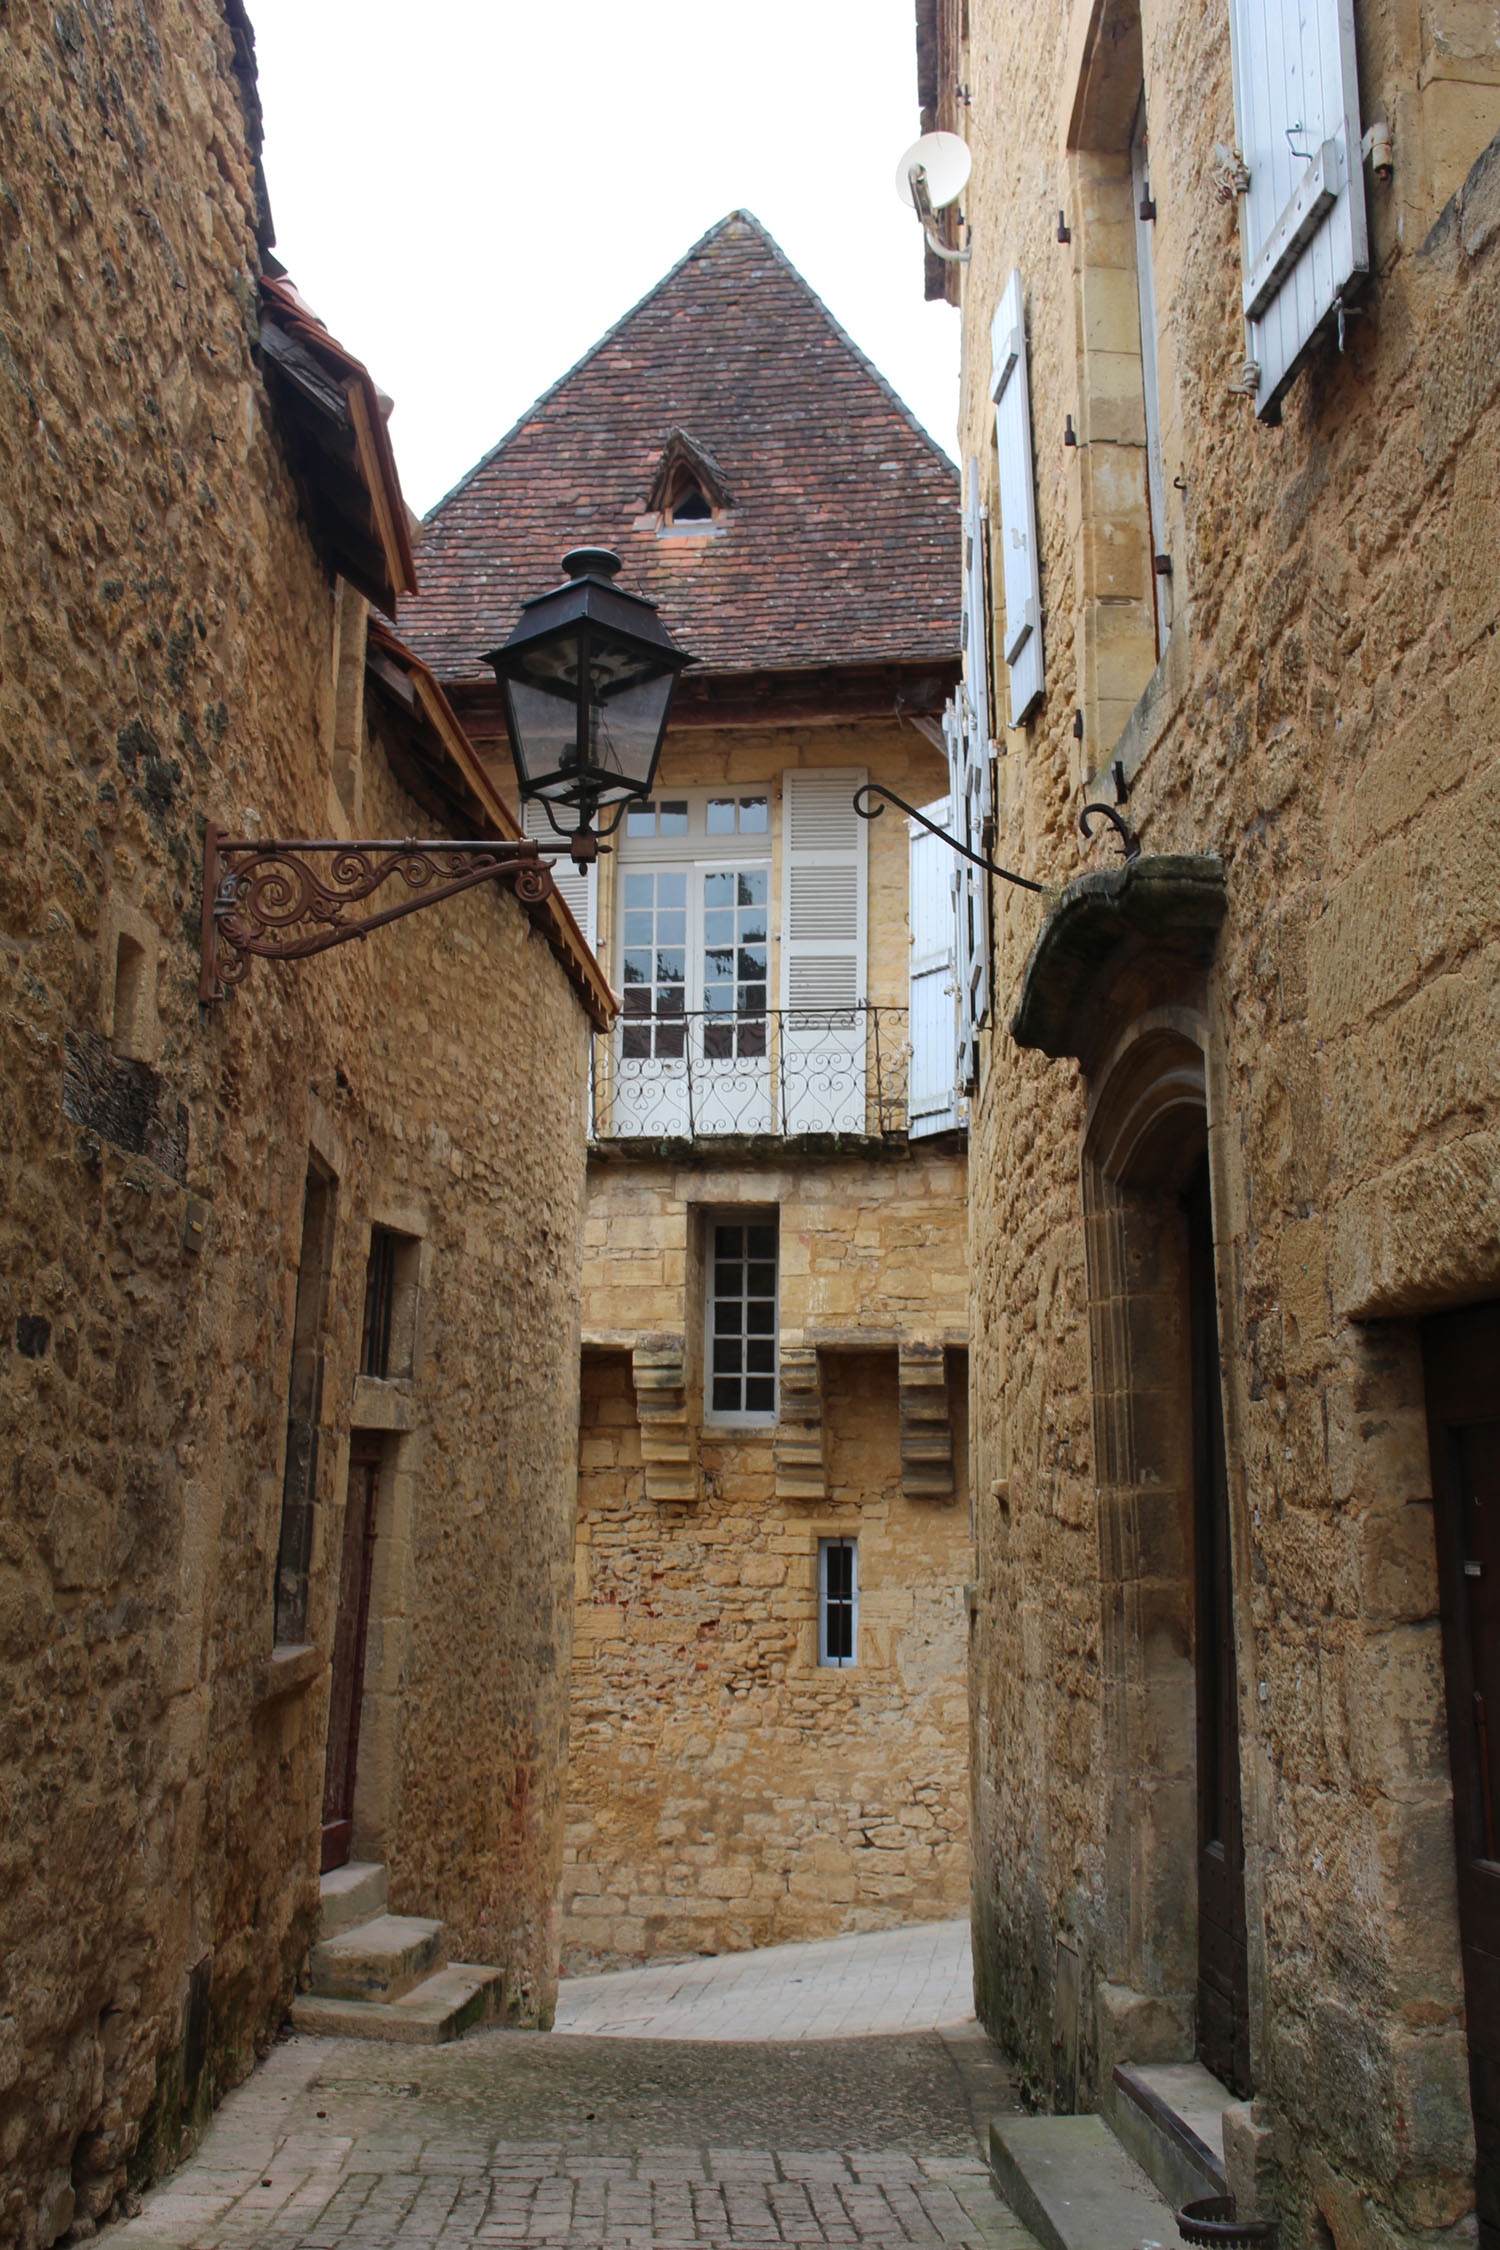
{"x":299,"y":1492}
{"x":690,"y":506}
{"x":380,"y":1298}
{"x":1140,"y":190}
{"x":838,"y":1600}
{"x":742,"y":1321}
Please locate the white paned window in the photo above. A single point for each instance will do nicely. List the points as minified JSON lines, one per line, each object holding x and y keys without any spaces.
{"x":823,"y":952}
{"x":740,"y":1347}
{"x":577,"y":887}
{"x":838,"y":1601}
{"x":1021,"y":579}
{"x":931,"y":1097}
{"x":1302,"y":221}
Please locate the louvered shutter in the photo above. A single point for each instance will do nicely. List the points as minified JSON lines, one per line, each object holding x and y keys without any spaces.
{"x":976,"y":605}
{"x":968,"y":770}
{"x":931,"y":1096}
{"x":578,"y":887}
{"x":822,"y":1060}
{"x":1020,"y":558}
{"x":1302,"y":222}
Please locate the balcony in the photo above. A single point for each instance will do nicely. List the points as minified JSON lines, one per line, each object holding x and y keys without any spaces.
{"x":696,"y":1075}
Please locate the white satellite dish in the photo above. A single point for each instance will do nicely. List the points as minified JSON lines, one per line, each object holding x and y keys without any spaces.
{"x":945,"y":159}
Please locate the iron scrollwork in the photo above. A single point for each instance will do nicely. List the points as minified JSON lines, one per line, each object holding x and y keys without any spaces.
{"x":865,"y":806}
{"x":286,"y":899}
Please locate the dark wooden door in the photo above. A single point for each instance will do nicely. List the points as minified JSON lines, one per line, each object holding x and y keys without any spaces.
{"x":1462,"y":1353}
{"x":346,"y":1691}
{"x":1223,"y":1959}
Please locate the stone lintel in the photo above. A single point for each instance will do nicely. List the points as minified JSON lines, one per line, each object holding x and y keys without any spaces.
{"x":668,"y":1455}
{"x":798,"y":1447}
{"x":926,"y":1425}
{"x":1156,"y":912}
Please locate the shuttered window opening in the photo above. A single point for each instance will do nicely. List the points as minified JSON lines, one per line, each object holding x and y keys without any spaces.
{"x":838,"y":1601}
{"x":823,"y":884}
{"x":968,"y":769}
{"x":577,"y":887}
{"x":932,"y":1104}
{"x":1021,"y":580}
{"x":1145,"y":287}
{"x":1303,"y":234}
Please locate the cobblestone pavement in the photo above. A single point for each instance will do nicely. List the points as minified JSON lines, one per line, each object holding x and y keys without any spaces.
{"x":913,"y":1979}
{"x":580,"y":2142}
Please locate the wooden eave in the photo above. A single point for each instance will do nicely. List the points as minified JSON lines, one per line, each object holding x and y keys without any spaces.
{"x":434,"y":760}
{"x":808,"y":696}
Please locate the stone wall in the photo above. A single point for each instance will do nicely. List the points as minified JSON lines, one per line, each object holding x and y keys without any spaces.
{"x":170,"y":654}
{"x":1324,"y":718}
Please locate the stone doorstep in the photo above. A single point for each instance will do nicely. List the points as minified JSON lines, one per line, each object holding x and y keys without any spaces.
{"x":349,"y":1894}
{"x":442,"y":2007}
{"x":1170,"y":2116}
{"x":1071,"y":2183}
{"x":381,"y":1959}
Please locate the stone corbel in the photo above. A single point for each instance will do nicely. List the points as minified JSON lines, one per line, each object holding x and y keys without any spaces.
{"x":926,"y":1425}
{"x":801,"y":1467}
{"x":668,"y":1455}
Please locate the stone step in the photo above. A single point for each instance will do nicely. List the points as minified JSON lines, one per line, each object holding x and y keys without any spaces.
{"x":1069,"y":2180}
{"x":377,"y":1960}
{"x":1170,"y":2116}
{"x":350,"y":1894}
{"x":442,"y":2007}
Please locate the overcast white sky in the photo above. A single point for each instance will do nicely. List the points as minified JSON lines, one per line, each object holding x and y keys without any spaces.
{"x":471,"y":191}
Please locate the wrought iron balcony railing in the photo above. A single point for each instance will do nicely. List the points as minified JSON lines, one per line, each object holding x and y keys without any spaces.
{"x":788,"y":1070}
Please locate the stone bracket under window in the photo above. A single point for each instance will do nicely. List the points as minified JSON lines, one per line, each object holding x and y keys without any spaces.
{"x":926,"y":1422}
{"x":668,"y":1454}
{"x":798,"y":1449}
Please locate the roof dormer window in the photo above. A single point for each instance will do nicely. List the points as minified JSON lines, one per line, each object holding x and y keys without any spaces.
{"x":688,"y":492}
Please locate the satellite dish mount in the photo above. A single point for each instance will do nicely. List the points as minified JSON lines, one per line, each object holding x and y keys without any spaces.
{"x":931,"y":175}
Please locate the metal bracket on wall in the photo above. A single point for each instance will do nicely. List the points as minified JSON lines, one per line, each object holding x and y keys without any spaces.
{"x":1130,"y":843}
{"x":287,"y":898}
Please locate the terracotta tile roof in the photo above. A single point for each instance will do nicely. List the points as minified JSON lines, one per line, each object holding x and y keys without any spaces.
{"x":841,"y":543}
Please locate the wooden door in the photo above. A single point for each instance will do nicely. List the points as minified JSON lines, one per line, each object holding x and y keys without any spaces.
{"x":1462,"y":1352}
{"x":346,"y":1691}
{"x":1223,"y":1959}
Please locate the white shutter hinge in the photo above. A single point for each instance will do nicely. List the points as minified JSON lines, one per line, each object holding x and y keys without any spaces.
{"x":1031,"y":622}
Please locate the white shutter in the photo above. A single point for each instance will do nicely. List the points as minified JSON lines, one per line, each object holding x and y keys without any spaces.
{"x":1302,"y":222}
{"x":931,"y":1096}
{"x":976,"y":607}
{"x":577,"y":887}
{"x":969,"y":781}
{"x":822,"y":1062}
{"x":1018,"y":544}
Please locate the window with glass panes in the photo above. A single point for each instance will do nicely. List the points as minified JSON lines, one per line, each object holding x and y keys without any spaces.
{"x":742,"y":1320}
{"x":734,"y":962}
{"x":654,"y":962}
{"x":838,"y":1600}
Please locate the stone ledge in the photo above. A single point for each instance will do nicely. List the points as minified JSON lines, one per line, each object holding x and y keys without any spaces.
{"x":1169,"y":906}
{"x":290,"y":1667}
{"x":381,"y":1405}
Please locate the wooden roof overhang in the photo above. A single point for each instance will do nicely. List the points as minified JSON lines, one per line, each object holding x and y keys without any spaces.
{"x":788,"y":696}
{"x":333,"y":420}
{"x":434,"y":761}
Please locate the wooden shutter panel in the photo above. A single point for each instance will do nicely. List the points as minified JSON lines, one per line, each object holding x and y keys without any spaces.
{"x":822,"y":952}
{"x":1302,"y":222}
{"x":1020,"y":558}
{"x":578,"y":887}
{"x":968,"y":778}
{"x":931,"y":1096}
{"x":976,"y":608}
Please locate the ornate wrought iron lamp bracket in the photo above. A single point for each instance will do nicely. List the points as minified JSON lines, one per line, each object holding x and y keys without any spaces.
{"x":1130,"y":843}
{"x":288,"y":898}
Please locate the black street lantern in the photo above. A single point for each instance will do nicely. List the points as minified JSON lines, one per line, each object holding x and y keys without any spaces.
{"x":587,"y":677}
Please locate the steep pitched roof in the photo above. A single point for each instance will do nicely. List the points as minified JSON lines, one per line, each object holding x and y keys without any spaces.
{"x":841,"y":546}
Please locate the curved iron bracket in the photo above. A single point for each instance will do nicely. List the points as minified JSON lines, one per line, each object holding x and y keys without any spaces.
{"x":1130,"y":843}
{"x":872,"y":811}
{"x":270,"y":896}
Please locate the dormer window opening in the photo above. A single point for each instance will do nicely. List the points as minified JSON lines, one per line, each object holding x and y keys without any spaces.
{"x":691,"y":507}
{"x":688,"y":493}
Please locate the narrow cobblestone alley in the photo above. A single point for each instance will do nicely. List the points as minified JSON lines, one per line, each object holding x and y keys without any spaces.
{"x":599,"y":2140}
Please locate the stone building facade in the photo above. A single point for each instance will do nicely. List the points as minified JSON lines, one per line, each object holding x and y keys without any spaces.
{"x":1234,"y":1217}
{"x":774,"y":1279}
{"x":197,"y":506}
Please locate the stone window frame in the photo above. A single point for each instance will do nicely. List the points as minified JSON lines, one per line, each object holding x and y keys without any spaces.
{"x":1123,"y":604}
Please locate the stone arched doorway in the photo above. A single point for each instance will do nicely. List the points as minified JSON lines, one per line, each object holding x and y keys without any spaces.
{"x":1175,"y":1942}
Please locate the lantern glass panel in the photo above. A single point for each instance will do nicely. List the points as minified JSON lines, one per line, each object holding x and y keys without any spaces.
{"x":624,"y":725}
{"x":543,"y":732}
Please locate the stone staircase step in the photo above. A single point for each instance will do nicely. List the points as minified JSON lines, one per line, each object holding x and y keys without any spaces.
{"x":442,"y":2007}
{"x":381,"y":1959}
{"x":1170,"y":2118}
{"x":350,"y":1894}
{"x":1069,"y":2180}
